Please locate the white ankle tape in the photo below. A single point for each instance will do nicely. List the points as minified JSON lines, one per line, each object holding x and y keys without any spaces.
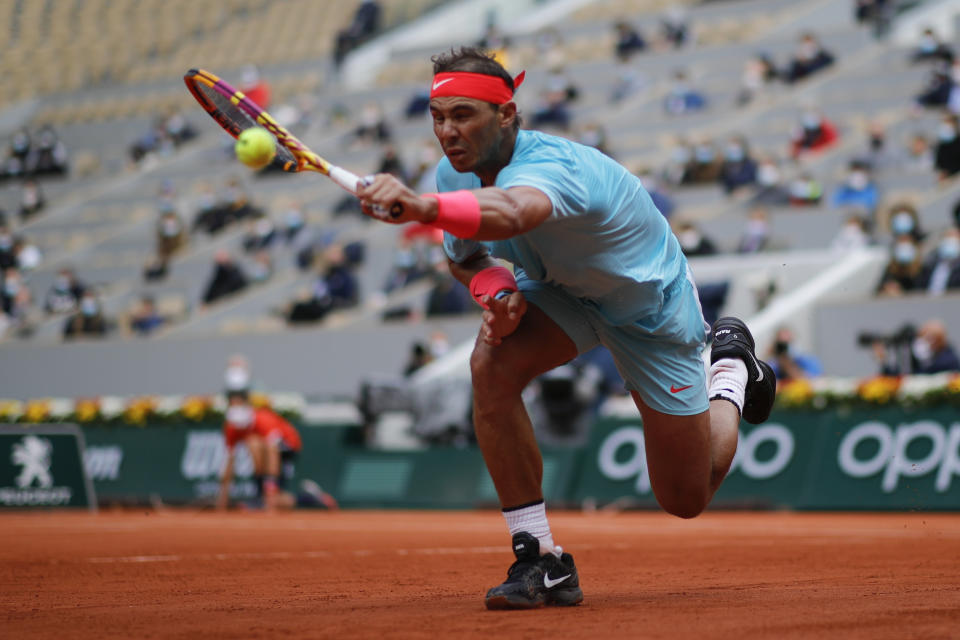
{"x":533,"y":520}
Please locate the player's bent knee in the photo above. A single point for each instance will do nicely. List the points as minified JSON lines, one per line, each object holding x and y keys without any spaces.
{"x":492,"y":372}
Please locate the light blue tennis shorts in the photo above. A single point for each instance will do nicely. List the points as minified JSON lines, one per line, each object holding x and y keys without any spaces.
{"x":660,"y":356}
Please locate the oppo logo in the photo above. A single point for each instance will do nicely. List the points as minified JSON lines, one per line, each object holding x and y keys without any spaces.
{"x":623,"y":454}
{"x":934,"y":446}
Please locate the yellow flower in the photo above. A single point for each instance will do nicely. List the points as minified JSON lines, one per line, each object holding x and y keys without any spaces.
{"x":259,"y":400}
{"x":954,"y":385}
{"x":87,"y":410}
{"x":796,"y":393}
{"x":36,"y":411}
{"x":880,"y":390}
{"x":139,"y":410}
{"x":195,"y":408}
{"x":10,"y":409}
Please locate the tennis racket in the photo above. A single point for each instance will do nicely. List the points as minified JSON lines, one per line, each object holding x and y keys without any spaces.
{"x":236,"y":112}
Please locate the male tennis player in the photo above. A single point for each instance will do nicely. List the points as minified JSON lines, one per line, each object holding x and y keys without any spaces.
{"x":594,"y":262}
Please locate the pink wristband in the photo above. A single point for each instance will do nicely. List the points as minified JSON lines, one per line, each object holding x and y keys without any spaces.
{"x":490,"y":282}
{"x":458,"y":212}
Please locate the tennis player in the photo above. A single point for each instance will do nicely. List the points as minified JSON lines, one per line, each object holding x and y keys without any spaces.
{"x":594,"y":262}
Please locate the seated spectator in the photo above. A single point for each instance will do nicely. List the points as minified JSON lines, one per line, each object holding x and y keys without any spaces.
{"x":447,"y":296}
{"x":947,"y":154}
{"x":7,"y":256}
{"x":692,"y":242}
{"x":903,"y":219}
{"x":336,"y":288}
{"x":919,"y":154}
{"x":815,"y":133}
{"x":16,"y":302}
{"x":88,"y":321}
{"x":935,"y":94}
{"x":787,"y":362}
{"x":879,"y":156}
{"x":738,"y":169}
{"x":227,"y":278}
{"x":858,"y":190}
{"x":65,"y":292}
{"x":853,"y":235}
{"x":261,"y":267}
{"x":902,"y":273}
{"x":372,"y":126}
{"x":629,"y":82}
{"x":661,"y":198}
{"x":31,"y":199}
{"x":758,"y":71}
{"x":931,"y":48}
{"x":756,"y":234}
{"x":809,"y":58}
{"x":941,"y":269}
{"x":27,"y":254}
{"x":705,"y":165}
{"x":674,"y":30}
{"x":365,"y":23}
{"x":420,"y":356}
{"x":683,"y":98}
{"x":553,"y":107}
{"x":294,"y":223}
{"x":418,"y":104}
{"x":231,"y":205}
{"x":260,"y":234}
{"x":805,"y":191}
{"x":50,"y":156}
{"x":628,"y":40}
{"x":594,"y":135}
{"x":677,"y":170}
{"x":413,"y":257}
{"x":171,"y":236}
{"x":930,"y":352}
{"x":770,"y":188}
{"x":145,"y":319}
{"x":392,"y":163}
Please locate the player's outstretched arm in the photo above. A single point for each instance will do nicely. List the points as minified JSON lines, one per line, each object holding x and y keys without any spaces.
{"x":490,"y":213}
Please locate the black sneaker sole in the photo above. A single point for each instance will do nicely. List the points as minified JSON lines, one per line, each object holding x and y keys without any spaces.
{"x":558,"y":598}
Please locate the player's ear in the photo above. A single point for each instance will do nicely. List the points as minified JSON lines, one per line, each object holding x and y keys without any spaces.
{"x":507,"y":113}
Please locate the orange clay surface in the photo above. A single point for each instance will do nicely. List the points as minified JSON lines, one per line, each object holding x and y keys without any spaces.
{"x":402,"y":574}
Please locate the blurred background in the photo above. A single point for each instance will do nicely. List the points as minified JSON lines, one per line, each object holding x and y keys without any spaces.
{"x":805,"y":154}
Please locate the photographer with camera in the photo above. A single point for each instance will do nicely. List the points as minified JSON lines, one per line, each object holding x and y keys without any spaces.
{"x":787,"y":363}
{"x":910,"y":351}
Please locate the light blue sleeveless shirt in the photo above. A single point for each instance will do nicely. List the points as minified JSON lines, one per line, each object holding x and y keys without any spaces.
{"x":605,"y":242}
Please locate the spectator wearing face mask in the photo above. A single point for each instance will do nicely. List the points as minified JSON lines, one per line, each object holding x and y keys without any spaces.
{"x":738,"y":169}
{"x":65,"y":292}
{"x":931,"y":48}
{"x":930,"y":352}
{"x":815,"y":133}
{"x":941,"y":270}
{"x":704,"y":165}
{"x":805,"y":191}
{"x":15,"y":301}
{"x":858,"y":190}
{"x":89,"y":321}
{"x":810,"y":57}
{"x":756,"y":233}
{"x":947,"y":155}
{"x":905,"y":221}
{"x":852,"y":235}
{"x":935,"y":94}
{"x":682,"y":97}
{"x":692,"y":242}
{"x":903,"y":269}
{"x":770,"y":188}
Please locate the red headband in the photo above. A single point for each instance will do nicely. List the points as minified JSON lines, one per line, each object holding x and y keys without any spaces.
{"x":479,"y":86}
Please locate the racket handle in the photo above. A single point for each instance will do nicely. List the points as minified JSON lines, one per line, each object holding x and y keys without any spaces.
{"x":344,"y":178}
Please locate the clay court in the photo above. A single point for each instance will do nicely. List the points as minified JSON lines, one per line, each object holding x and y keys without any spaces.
{"x":402,"y":574}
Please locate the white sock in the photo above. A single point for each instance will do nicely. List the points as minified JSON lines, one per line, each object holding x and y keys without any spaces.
{"x":533,"y":519}
{"x":728,"y":380}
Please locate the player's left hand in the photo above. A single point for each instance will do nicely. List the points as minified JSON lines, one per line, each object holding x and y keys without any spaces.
{"x":502,"y":317}
{"x":382,"y":195}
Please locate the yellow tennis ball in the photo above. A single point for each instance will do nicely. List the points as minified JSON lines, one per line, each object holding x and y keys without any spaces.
{"x":255,"y":147}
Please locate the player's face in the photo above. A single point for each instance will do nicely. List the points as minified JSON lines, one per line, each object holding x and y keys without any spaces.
{"x":470,"y":132}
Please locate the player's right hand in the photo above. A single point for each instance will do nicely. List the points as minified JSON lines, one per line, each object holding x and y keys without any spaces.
{"x":501,"y":317}
{"x":383,"y":197}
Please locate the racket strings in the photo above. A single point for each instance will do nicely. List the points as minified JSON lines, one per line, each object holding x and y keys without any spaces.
{"x":239,"y":118}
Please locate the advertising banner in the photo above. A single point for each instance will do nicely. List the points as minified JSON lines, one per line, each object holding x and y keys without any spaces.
{"x":41,"y":466}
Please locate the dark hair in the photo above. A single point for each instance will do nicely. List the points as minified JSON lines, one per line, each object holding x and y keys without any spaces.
{"x":473,"y":60}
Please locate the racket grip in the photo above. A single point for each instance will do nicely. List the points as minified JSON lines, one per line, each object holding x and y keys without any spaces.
{"x":344,"y":178}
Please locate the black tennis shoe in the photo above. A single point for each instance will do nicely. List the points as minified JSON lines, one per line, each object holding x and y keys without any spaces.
{"x":536,"y":580}
{"x":732,"y":339}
